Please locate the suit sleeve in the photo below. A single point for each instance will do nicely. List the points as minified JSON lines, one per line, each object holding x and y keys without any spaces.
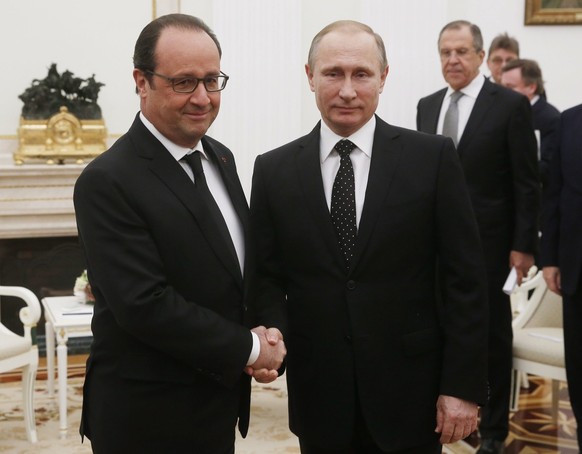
{"x":269,"y":294}
{"x":548,"y":148}
{"x":551,"y":211}
{"x":129,"y":275}
{"x":463,"y":309}
{"x":522,"y":148}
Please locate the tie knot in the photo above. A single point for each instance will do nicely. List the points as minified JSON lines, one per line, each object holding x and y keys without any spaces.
{"x":344,"y":147}
{"x":455,"y":96}
{"x":195,"y":163}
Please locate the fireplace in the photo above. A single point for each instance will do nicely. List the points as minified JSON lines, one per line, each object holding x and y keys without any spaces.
{"x":39,"y":248}
{"x":47,"y":266}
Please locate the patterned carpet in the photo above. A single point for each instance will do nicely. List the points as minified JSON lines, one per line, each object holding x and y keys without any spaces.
{"x":533,"y":428}
{"x":268,"y":432}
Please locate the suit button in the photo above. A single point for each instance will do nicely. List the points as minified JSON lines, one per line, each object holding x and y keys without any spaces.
{"x":348,"y":338}
{"x":351,"y":285}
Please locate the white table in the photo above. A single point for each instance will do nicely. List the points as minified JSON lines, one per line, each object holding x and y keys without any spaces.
{"x":65,"y":317}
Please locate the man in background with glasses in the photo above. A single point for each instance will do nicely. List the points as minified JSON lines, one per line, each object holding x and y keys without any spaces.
{"x":163,"y":222}
{"x":492,"y":127}
{"x":502,"y":50}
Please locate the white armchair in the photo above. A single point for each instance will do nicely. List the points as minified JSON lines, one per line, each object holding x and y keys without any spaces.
{"x":21,"y":351}
{"x":538,"y":337}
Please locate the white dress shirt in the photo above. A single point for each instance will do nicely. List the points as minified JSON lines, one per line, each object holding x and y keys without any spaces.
{"x":360,"y":156}
{"x":219,"y":192}
{"x":465,"y":104}
{"x":215,"y":185}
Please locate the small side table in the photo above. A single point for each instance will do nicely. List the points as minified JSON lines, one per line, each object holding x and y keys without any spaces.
{"x":65,"y":317}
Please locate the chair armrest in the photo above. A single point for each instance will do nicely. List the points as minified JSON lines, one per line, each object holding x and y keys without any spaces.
{"x":30,"y":314}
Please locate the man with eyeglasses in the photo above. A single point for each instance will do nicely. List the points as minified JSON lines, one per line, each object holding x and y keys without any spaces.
{"x":493,"y":129}
{"x":502,"y":50}
{"x":163,"y":222}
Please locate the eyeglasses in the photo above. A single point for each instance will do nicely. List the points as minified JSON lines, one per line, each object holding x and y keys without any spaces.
{"x":189,"y":84}
{"x":501,"y":61}
{"x":463,"y":52}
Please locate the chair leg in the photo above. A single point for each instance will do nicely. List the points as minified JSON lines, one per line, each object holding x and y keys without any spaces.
{"x":524,"y":380}
{"x":516,"y":377}
{"x":28,"y":381}
{"x":555,"y":399}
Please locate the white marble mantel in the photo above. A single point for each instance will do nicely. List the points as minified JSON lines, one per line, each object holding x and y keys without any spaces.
{"x":36,"y":200}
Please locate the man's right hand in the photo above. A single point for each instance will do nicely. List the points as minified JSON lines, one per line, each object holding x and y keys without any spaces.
{"x":271,"y":356}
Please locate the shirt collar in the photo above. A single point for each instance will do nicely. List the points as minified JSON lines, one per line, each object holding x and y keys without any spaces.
{"x":535,"y":99}
{"x":176,"y":151}
{"x":363,"y":138}
{"x":472,"y":89}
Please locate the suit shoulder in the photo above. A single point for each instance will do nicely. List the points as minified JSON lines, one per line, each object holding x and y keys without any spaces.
{"x":289,"y":148}
{"x":215,"y":144}
{"x":433,"y":96}
{"x":546,"y":108}
{"x":504,"y":93}
{"x":572,"y":112}
{"x":110,"y":158}
{"x":418,"y":137}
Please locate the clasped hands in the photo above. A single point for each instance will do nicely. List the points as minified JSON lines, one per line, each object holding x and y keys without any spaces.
{"x":271,"y":356}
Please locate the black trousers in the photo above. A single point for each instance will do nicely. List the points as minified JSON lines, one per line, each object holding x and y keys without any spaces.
{"x":572,"y":309}
{"x":362,"y":443}
{"x":495,"y":414}
{"x":433,"y":448}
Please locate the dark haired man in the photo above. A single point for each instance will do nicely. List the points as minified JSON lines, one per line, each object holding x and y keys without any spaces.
{"x":163,"y":220}
{"x":492,"y":127}
{"x":525,"y":77}
{"x":365,"y":232}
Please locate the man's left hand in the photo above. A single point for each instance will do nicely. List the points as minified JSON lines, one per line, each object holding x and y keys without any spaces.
{"x":522,"y":263}
{"x":456,"y":418}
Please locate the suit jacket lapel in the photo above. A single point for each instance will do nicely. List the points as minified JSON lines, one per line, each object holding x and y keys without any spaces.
{"x":483,"y":102}
{"x":432,"y":113}
{"x":171,"y":173}
{"x":231,"y":180}
{"x":386,"y":153}
{"x":308,"y":169}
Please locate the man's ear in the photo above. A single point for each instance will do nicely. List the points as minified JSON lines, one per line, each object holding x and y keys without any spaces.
{"x":309,"y":77}
{"x":140,"y":82}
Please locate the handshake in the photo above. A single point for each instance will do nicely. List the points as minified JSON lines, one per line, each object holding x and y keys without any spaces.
{"x":271,"y":356}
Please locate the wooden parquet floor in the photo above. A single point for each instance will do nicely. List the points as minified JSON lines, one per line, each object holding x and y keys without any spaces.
{"x":535,"y":428}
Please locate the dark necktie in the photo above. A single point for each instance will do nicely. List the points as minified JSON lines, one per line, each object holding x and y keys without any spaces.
{"x":451,"y":122}
{"x":195,"y":163}
{"x":343,"y":201}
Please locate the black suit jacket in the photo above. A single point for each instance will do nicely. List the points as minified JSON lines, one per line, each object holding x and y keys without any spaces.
{"x":498,"y":154}
{"x":390,"y":329}
{"x":562,"y":232}
{"x":546,"y":120}
{"x":169,"y":342}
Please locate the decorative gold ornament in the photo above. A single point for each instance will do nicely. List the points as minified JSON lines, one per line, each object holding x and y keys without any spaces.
{"x":60,"y":139}
{"x":61,"y":120}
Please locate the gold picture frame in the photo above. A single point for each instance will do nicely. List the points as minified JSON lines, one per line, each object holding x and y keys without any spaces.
{"x":553,"y":12}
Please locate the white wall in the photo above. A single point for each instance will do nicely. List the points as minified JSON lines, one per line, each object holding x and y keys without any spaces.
{"x":265,"y":42}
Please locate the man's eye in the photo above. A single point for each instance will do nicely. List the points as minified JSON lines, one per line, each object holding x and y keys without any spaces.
{"x":211,"y":82}
{"x":183,"y":83}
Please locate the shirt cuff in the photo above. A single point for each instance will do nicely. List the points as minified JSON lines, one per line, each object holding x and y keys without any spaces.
{"x":255,"y":351}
